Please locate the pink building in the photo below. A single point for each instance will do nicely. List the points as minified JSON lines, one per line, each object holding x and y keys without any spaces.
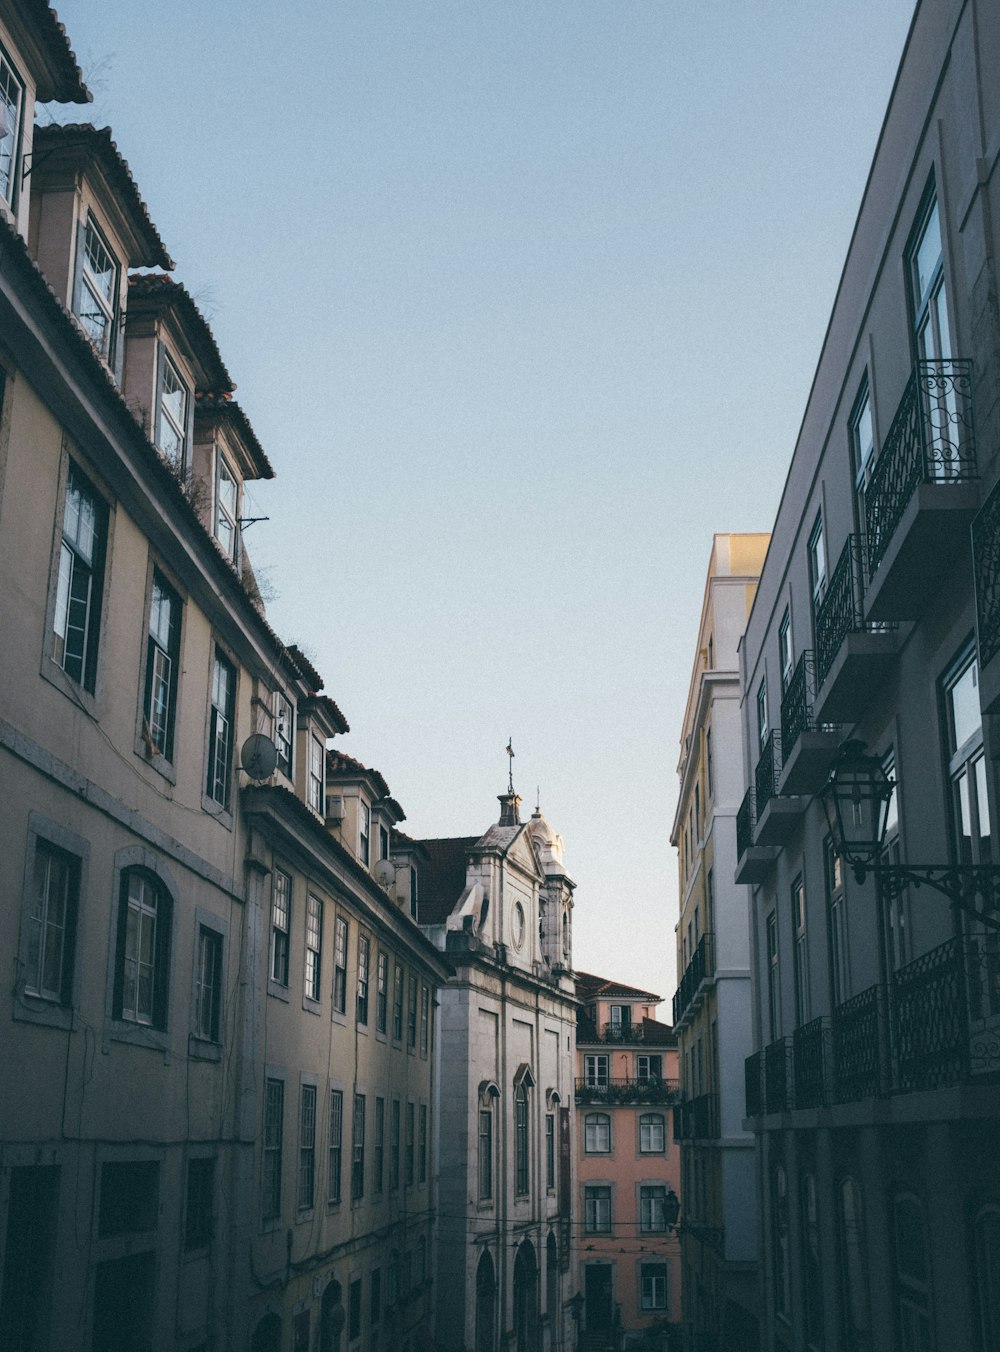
{"x":628,"y":1169}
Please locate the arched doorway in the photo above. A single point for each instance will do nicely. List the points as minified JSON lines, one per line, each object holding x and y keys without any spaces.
{"x":267,"y":1335}
{"x":486,"y":1301}
{"x":526,"y":1299}
{"x":331,"y":1317}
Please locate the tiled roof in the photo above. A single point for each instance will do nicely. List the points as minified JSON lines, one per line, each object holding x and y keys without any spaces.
{"x":223,"y":405}
{"x":65,"y":82}
{"x":590,"y":987}
{"x":161,"y":290}
{"x":340,"y":763}
{"x":95,"y":142}
{"x":656,"y":1034}
{"x":499,"y":837}
{"x":304,"y":667}
{"x":442,"y":876}
{"x":329,"y":707}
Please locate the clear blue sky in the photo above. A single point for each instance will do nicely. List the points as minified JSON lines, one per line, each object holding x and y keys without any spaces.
{"x":523,"y":300}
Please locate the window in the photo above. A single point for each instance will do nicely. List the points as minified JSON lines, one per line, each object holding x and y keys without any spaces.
{"x":862,"y":437}
{"x":913,"y":1292}
{"x":411,"y":1014}
{"x":95,"y":298}
{"x":653,"y":1286}
{"x":817,"y":561}
{"x":143,"y":963}
{"x":597,"y":1210}
{"x":709,"y":767}
{"x":162,"y":652}
{"x":762,"y":728}
{"x":648,"y":1067}
{"x":227,"y":511}
{"x":336,"y":1147}
{"x":550,"y":1150}
{"x":307,"y":1146}
{"x":425,"y":1017}
{"x":172,"y":415}
{"x":220,"y":731}
{"x":364,"y":958}
{"x":358,"y":1149}
{"x":837,"y":922}
{"x":130,"y":1198}
{"x":199,"y":1205}
{"x":595,"y":1071}
{"x":284,"y":733}
{"x":928,"y":298}
{"x":853,"y":1266}
{"x":397,"y":1002}
{"x":521,"y":1140}
{"x":785,"y":649}
{"x":801,"y":953}
{"x":779,"y":1212}
{"x":383,"y":843}
{"x":51,"y":924}
{"x":208,"y":986}
{"x":375,"y":1312}
{"x":422,"y":1144}
{"x":379,"y":1146}
{"x":967,"y":765}
{"x":652,"y":1134}
{"x":281,"y":905}
{"x":354,"y":1309}
{"x":410,"y":1145}
{"x":317,"y":774}
{"x":773,"y":978}
{"x":485,"y":1154}
{"x":364,"y":831}
{"x":11,"y":106}
{"x":274,"y":1112}
{"x":394,"y":1146}
{"x":652,"y":1207}
{"x":76,"y":621}
{"x":597,"y":1133}
{"x":812,"y":1271}
{"x":340,"y":966}
{"x":381,"y":992}
{"x":314,"y":940}
{"x":413,"y":892}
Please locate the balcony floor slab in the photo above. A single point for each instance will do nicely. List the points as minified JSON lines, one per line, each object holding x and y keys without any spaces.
{"x":755,"y":864}
{"x":779,"y":820}
{"x":808,"y":764}
{"x":932,"y":531}
{"x":862,"y":662}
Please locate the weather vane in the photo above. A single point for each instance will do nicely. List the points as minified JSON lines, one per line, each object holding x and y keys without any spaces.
{"x":510,"y":753}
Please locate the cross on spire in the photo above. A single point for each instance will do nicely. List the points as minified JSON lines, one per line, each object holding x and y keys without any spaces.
{"x":510,"y":753}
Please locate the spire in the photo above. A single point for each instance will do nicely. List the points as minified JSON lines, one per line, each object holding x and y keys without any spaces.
{"x":509,"y":801}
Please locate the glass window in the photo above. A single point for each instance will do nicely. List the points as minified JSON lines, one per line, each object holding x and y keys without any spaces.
{"x":648,"y":1067}
{"x":364,"y":951}
{"x":394,"y":1123}
{"x":709,"y":767}
{"x":652,"y":1134}
{"x":411,"y":1014}
{"x":307,"y":1146}
{"x":597,"y":1210}
{"x":317,"y":774}
{"x":340,"y":965}
{"x":837,"y":921}
{"x":550,"y":1150}
{"x":379,"y":1146}
{"x":358,"y":1149}
{"x":227,"y":511}
{"x":597,"y":1133}
{"x":335,"y":1150}
{"x":785,"y":649}
{"x":762,"y":728}
{"x":817,"y":560}
{"x":862,"y":437}
{"x":162,"y":653}
{"x":653,"y":1286}
{"x":595,"y":1069}
{"x":281,"y":906}
{"x":96,"y":299}
{"x":409,"y":1145}
{"x":425,"y":1018}
{"x":171,"y":429}
{"x":284,"y":733}
{"x":521,"y":1186}
{"x":397,"y":1002}
{"x":801,"y":953}
{"x":967,"y":765}
{"x":144,"y":951}
{"x":76,"y":622}
{"x":773,"y":978}
{"x":208,"y":985}
{"x":853,"y":1266}
{"x":779,"y":1213}
{"x":52,"y":924}
{"x":274,"y":1107}
{"x":220,"y":731}
{"x":381,"y":992}
{"x":314,"y":940}
{"x":422,"y":1145}
{"x":927,"y":288}
{"x":11,"y":104}
{"x":652,"y":1207}
{"x":485,"y":1154}
{"x":364,"y":831}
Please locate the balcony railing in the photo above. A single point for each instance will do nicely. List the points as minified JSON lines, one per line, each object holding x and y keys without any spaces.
{"x":986,"y":565}
{"x":797,"y":701}
{"x":858,"y":1040}
{"x":626,"y":1090}
{"x":765,"y":779}
{"x":744,"y":824}
{"x":841,"y":611}
{"x":697,"y":1119}
{"x":701,"y":966}
{"x":931,"y":440}
{"x":930,"y":1025}
{"x":753,"y":1074}
{"x":622,"y":1032}
{"x":777,"y":1076}
{"x":810,"y":1057}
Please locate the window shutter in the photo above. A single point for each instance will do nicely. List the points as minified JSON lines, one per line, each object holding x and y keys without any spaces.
{"x":81,"y":247}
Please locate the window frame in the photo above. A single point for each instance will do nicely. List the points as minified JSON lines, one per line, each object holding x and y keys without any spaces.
{"x":210,"y":942}
{"x":522,"y":1148}
{"x":655,"y":1274}
{"x":652,"y":1208}
{"x":305,"y":1191}
{"x":647,"y":1121}
{"x":31,"y":1005}
{"x":364,"y":968}
{"x":221,"y":739}
{"x":272,"y":1148}
{"x":786,"y":656}
{"x":10,"y":194}
{"x":226,"y":523}
{"x":382,"y":993}
{"x":358,"y":1149}
{"x":335,"y":1148}
{"x":818,"y":565}
{"x":177,"y":455}
{"x":312,"y":969}
{"x":316,"y":774}
{"x":82,"y":675}
{"x":155,"y":740}
{"x":597,"y":1213}
{"x":85,"y":281}
{"x":341,"y":948}
{"x":154,"y":1015}
{"x":596,"y":1126}
{"x":284,"y":734}
{"x":280,"y":948}
{"x":485,"y":1152}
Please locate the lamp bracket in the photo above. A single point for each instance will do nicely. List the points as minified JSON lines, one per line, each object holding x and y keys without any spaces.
{"x":962,"y":884}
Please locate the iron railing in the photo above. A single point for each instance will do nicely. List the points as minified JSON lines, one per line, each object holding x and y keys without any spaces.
{"x":753,"y":1075}
{"x":842,"y":609}
{"x":697,"y":1119}
{"x":701,"y":966}
{"x":930,"y":1023}
{"x":622,"y":1032}
{"x":744,"y":824}
{"x":931,"y":440}
{"x":625,"y":1090}
{"x":797,"y":702}
{"x":857,"y":1046}
{"x":765,"y":779}
{"x":777,"y":1076}
{"x":810,"y":1056}
{"x":986,"y":566}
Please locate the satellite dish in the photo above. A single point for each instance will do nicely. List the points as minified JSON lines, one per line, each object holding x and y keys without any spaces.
{"x":259,"y":756}
{"x":385,"y":873}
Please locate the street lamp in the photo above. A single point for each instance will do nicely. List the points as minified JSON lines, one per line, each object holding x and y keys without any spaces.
{"x":856,"y":801}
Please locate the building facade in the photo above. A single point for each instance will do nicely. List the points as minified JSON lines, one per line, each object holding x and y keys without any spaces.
{"x":628,"y":1169}
{"x":499,"y":906}
{"x":873,"y":1087}
{"x":711,"y":1007}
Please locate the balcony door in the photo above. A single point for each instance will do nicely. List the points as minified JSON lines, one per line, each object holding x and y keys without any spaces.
{"x":597,"y":1294}
{"x":927,"y":289}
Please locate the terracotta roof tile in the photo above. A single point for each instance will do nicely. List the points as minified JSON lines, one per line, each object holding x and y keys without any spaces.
{"x":64,"y":82}
{"x":221,"y":404}
{"x":304,"y":667}
{"x":442,"y":877}
{"x":340,"y":763}
{"x":159,"y":290}
{"x":590,"y":987}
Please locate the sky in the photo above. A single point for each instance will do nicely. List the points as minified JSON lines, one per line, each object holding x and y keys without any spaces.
{"x":523,"y":300}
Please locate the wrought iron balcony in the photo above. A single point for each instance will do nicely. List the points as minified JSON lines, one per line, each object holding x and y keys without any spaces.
{"x":931,"y":440}
{"x":753,"y":1074}
{"x":754,"y":862}
{"x":986,"y":566}
{"x":930,"y":1019}
{"x":765,"y":778}
{"x":744,"y":823}
{"x":811,"y":1058}
{"x":859,"y":1046}
{"x":851,"y":653}
{"x":627,"y":1090}
{"x":807,"y":749}
{"x":777,"y":1076}
{"x":777,"y":814}
{"x":622,"y":1032}
{"x":699,"y":969}
{"x":697,"y":1119}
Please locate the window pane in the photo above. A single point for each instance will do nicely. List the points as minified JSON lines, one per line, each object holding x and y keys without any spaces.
{"x":963,"y":700}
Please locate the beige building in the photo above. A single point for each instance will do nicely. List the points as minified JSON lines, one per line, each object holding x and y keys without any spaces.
{"x":214,"y":1133}
{"x":711,"y":1008}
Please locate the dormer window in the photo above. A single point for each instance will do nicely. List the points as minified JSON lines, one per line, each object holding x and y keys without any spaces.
{"x":96,"y":296}
{"x":11,"y":105}
{"x":284,"y":733}
{"x":317,"y":777}
{"x":227,"y":510}
{"x":364,"y":831}
{"x":171,"y":414}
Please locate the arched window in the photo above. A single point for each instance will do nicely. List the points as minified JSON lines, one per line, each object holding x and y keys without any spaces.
{"x":331,"y":1317}
{"x":811,"y":1270}
{"x":526,"y":1299}
{"x":521,"y":1173}
{"x":853,"y":1266}
{"x":597,"y":1133}
{"x":142,"y":963}
{"x":986,"y":1233}
{"x":488,"y":1096}
{"x":652,"y":1134}
{"x":913,"y":1288}
{"x":486,"y":1288}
